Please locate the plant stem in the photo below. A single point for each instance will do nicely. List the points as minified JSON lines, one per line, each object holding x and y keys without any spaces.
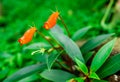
{"x":105,"y":26}
{"x":64,"y":25}
{"x":87,"y":80}
{"x":62,"y":66}
{"x":41,"y":34}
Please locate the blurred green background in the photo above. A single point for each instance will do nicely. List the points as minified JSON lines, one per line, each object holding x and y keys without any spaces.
{"x":16,"y":16}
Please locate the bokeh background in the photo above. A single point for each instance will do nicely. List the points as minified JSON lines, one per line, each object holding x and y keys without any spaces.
{"x":16,"y":16}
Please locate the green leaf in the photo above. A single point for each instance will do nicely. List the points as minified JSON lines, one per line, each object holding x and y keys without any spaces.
{"x":95,"y":42}
{"x":24,"y":72}
{"x":69,"y":45}
{"x":51,"y":59}
{"x":78,"y":79}
{"x":95,"y":80}
{"x":4,"y":73}
{"x":102,"y":55}
{"x":5,"y":55}
{"x":82,"y":66}
{"x":78,"y":34}
{"x":93,"y":75}
{"x":110,"y":67}
{"x":56,"y":75}
{"x":58,"y":29}
{"x":39,"y":57}
{"x":98,"y":4}
{"x":19,"y":59}
{"x":30,"y":78}
{"x":88,"y":56}
{"x":36,"y":46}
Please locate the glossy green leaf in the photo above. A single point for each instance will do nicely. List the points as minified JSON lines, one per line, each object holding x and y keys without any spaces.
{"x":78,"y":79}
{"x":88,"y":56}
{"x":95,"y":80}
{"x":5,"y":55}
{"x":101,"y":56}
{"x":98,"y":4}
{"x":39,"y":57}
{"x":56,"y":75}
{"x":19,"y":59}
{"x":69,"y":45}
{"x":36,"y":46}
{"x":110,"y":67}
{"x":82,"y":66}
{"x":4,"y":73}
{"x":51,"y":59}
{"x":58,"y":29}
{"x":95,"y":42}
{"x":30,"y":78}
{"x":80,"y":33}
{"x":93,"y":75}
{"x":24,"y":72}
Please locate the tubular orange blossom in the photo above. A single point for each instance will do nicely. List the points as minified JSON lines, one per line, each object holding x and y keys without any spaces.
{"x":27,"y":37}
{"x":51,"y":20}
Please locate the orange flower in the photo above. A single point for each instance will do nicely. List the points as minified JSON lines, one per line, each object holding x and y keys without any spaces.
{"x":27,"y":37}
{"x":51,"y":21}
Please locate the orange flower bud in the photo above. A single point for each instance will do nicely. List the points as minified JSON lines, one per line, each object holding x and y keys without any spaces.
{"x":27,"y":37}
{"x":51,"y":21}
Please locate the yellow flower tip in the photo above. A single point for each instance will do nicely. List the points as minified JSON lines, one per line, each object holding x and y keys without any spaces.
{"x":20,"y":41}
{"x":58,"y":12}
{"x":34,"y":28}
{"x":51,"y":22}
{"x":46,"y":26}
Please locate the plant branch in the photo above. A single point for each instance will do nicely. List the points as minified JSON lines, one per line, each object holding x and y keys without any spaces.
{"x":64,"y":25}
{"x":62,"y":66}
{"x":106,"y":15}
{"x":41,"y":34}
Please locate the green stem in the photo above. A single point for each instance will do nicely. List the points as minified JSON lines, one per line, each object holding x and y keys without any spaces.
{"x":106,"y":15}
{"x":41,"y":34}
{"x":64,"y":25}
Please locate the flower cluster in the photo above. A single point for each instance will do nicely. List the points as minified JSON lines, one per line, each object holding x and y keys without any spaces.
{"x":51,"y":22}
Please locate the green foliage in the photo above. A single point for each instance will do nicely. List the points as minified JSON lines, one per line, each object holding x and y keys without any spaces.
{"x":101,"y":56}
{"x":3,"y":73}
{"x":95,"y":42}
{"x":24,"y":72}
{"x":36,"y":46}
{"x":111,"y":66}
{"x":82,"y":66}
{"x":80,"y":33}
{"x":93,"y":75}
{"x":88,"y":56}
{"x":68,"y":44}
{"x":78,"y":79}
{"x":99,"y":80}
{"x":30,"y":78}
{"x":57,"y":75}
{"x":17,"y":62}
{"x":39,"y":57}
{"x":51,"y":59}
